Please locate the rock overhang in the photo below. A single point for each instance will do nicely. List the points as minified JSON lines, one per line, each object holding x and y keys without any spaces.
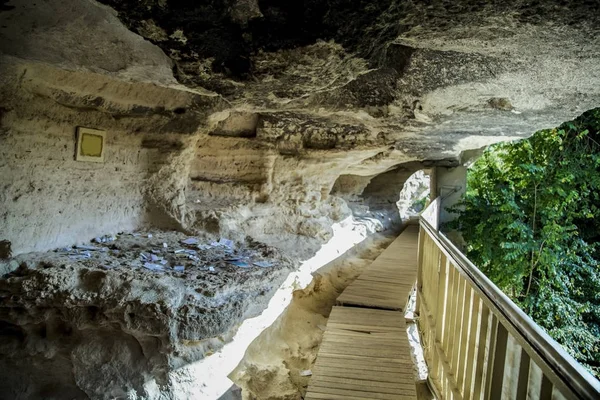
{"x":250,"y":118}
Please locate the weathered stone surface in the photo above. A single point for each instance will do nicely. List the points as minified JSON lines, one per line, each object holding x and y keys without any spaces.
{"x":80,"y":35}
{"x":104,"y":327}
{"x":243,"y":118}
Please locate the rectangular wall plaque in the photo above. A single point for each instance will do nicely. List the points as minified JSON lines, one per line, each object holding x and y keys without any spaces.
{"x":91,"y":144}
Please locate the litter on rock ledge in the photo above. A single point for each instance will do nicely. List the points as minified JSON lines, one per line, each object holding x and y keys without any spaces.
{"x":83,"y":247}
{"x":192,"y":257}
{"x":263,"y":264}
{"x":211,"y":269}
{"x":105,"y":239}
{"x":226,"y":242}
{"x":306,"y":372}
{"x":153,"y":267}
{"x":223,"y":242}
{"x":240,"y":264}
{"x":190,"y":241}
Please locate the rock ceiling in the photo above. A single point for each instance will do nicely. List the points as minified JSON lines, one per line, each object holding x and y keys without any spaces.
{"x":246,"y":119}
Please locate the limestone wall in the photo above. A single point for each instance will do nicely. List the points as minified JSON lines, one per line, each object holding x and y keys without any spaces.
{"x":49,"y":199}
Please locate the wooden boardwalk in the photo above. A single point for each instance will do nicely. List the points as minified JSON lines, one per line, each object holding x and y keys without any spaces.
{"x":388,"y":281}
{"x":365,"y":353}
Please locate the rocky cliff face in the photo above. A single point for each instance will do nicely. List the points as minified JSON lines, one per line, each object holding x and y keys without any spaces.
{"x":218,"y":111}
{"x":263,"y":119}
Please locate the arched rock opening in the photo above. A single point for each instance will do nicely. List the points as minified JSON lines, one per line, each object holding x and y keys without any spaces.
{"x":378,"y":196}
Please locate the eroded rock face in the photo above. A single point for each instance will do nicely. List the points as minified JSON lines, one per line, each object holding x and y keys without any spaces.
{"x":102,"y":325}
{"x":256,"y":118}
{"x":280,"y":100}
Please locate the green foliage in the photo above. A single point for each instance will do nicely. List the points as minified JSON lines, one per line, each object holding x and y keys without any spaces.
{"x":531,"y":218}
{"x":419,"y":205}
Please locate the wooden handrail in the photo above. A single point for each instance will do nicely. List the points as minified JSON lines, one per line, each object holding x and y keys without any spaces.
{"x":564,"y":372}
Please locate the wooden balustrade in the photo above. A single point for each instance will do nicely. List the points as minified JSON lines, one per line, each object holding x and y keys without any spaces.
{"x":477,"y":343}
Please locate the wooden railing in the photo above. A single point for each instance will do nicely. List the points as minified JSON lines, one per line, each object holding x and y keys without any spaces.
{"x":477,"y":343}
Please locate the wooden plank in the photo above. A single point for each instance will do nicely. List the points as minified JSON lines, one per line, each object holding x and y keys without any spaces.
{"x":497,"y":376}
{"x":458,"y":325}
{"x":349,"y":334}
{"x":480,"y":367}
{"x":367,"y":349}
{"x":338,"y":356}
{"x":346,"y":392}
{"x":355,"y":374}
{"x":450,"y":310}
{"x":395,"y":352}
{"x":381,"y":316}
{"x":355,"y":362}
{"x":464,"y":337}
{"x":357,"y":387}
{"x":366,"y":327}
{"x":557,"y":395}
{"x":386,"y":286}
{"x":399,"y":370}
{"x":433,"y":276}
{"x":534,"y":382}
{"x":387,"y":282}
{"x":389,"y":343}
{"x":365,"y":302}
{"x":440,"y":292}
{"x":378,"y":351}
{"x":470,"y":370}
{"x":371,"y":290}
{"x":546,"y":389}
{"x":358,"y":362}
{"x":361,"y":334}
{"x":328,"y":396}
{"x":523,"y":376}
{"x":512,"y":367}
{"x":362,"y":384}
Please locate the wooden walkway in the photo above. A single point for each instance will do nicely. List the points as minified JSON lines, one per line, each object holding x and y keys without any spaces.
{"x":365,"y":353}
{"x":388,"y":281}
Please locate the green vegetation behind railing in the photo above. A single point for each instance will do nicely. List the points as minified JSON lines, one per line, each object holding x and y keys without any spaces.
{"x":531,"y":221}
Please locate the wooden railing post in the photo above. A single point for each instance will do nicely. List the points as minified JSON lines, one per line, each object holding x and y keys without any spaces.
{"x":497,"y":364}
{"x":419,"y":287}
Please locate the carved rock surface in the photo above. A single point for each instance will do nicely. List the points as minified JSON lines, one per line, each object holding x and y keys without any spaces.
{"x":249,"y":119}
